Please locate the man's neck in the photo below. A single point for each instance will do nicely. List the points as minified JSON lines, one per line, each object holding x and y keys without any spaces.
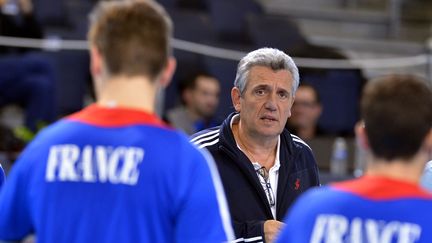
{"x":257,"y":148}
{"x":132,"y":92}
{"x":404,"y":170}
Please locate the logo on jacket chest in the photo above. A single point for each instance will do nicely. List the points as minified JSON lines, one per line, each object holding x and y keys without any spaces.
{"x":297,"y":184}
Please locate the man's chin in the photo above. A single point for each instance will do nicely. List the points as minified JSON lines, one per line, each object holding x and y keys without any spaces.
{"x":272,"y":131}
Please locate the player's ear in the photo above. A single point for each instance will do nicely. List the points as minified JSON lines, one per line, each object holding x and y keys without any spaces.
{"x":361,"y":135}
{"x":95,"y":62}
{"x":168,"y":72}
{"x":427,"y":144}
{"x":96,"y":69}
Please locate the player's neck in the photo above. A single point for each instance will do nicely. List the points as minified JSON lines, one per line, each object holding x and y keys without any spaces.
{"x":409,"y":171}
{"x":130,"y":92}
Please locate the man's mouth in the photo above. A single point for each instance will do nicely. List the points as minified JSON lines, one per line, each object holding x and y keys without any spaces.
{"x":268,"y":118}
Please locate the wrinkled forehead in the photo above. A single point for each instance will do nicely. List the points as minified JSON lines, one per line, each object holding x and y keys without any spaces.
{"x":261,"y":75}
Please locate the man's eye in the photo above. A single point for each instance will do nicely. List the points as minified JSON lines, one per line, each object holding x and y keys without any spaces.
{"x":283,"y":95}
{"x":260,"y":92}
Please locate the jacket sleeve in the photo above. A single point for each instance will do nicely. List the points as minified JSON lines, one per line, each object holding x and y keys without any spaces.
{"x":249,"y":231}
{"x":309,"y":162}
{"x":315,"y":180}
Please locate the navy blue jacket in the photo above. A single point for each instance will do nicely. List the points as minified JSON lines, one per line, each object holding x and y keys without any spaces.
{"x":247,"y":200}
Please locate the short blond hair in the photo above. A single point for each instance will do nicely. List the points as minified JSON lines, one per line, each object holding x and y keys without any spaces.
{"x":132,"y":36}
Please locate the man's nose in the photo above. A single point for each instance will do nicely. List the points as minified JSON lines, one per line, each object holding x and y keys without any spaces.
{"x":270,"y":103}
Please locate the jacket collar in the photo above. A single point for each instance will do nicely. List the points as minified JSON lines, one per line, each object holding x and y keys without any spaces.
{"x":286,"y":156}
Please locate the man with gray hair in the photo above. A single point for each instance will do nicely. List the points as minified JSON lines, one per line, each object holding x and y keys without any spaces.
{"x":263,"y":167}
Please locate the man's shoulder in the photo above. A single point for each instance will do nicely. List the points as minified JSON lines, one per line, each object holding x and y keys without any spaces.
{"x":298,"y":143}
{"x":207,"y":138}
{"x":320,"y":208}
{"x":330,"y":200}
{"x":298,"y":146}
{"x":317,"y":200}
{"x":321,"y":193}
{"x":159,"y":139}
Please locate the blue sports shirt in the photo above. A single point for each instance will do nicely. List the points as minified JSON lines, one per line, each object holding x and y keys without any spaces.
{"x":113,"y":175}
{"x":365,"y":210}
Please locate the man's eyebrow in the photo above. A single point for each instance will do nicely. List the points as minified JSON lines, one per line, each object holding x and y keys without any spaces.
{"x":261,"y":86}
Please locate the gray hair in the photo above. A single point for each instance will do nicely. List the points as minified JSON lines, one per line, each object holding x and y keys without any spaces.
{"x":267,"y":57}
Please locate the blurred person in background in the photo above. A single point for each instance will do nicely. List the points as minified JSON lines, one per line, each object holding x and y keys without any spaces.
{"x":305,"y":113}
{"x":17,"y":19}
{"x":200,"y":99}
{"x":26,"y":78}
{"x":387,"y":204}
{"x":339,"y":90}
{"x":263,"y":167}
{"x":114,"y":172}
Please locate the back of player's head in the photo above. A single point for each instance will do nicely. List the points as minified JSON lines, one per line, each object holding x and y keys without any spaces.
{"x":397,"y":111}
{"x":133,"y":37}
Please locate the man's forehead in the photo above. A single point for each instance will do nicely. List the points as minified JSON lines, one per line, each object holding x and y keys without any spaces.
{"x":262,"y":72}
{"x":269,"y":77}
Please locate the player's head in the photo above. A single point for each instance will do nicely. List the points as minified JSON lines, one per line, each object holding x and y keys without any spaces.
{"x":131,"y":37}
{"x":397,"y":115}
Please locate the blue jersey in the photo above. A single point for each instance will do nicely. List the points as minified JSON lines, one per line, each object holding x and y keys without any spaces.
{"x":113,"y":175}
{"x":365,"y":210}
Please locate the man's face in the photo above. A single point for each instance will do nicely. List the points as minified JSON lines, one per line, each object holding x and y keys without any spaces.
{"x":266,"y":101}
{"x":205,"y":96}
{"x":306,"y":110}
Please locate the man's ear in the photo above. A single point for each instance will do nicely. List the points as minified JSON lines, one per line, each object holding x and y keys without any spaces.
{"x":361,"y":136}
{"x":96,"y":70}
{"x":427,"y":144}
{"x":291,"y":107}
{"x":95,"y":62}
{"x":168,"y":72}
{"x":236,"y":97}
{"x":187,"y":96}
